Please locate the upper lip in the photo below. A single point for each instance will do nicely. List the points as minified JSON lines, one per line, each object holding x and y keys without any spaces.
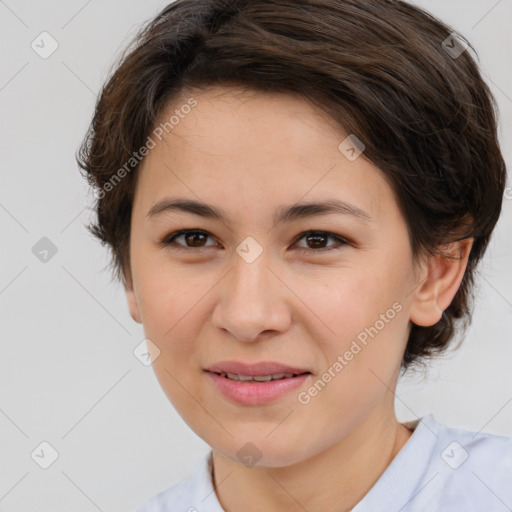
{"x":255,"y":369}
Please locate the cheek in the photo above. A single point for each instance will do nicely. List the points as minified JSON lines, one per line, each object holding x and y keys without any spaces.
{"x":166,"y":293}
{"x":364,"y":323}
{"x":347,"y":301}
{"x":173,"y":311}
{"x":171,"y":306}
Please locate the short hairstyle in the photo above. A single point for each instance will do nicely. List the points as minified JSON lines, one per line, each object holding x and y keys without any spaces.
{"x":389,"y":72}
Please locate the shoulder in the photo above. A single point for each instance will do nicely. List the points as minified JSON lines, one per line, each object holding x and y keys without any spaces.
{"x":473,"y":451}
{"x":468,"y":469}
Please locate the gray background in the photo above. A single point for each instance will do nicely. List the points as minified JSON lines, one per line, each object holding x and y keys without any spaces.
{"x":67,"y":372}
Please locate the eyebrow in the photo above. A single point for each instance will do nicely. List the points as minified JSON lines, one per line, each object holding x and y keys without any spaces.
{"x":283,"y":214}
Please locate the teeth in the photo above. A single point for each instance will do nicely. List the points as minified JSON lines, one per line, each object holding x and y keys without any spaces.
{"x":257,"y":378}
{"x":263,"y":378}
{"x":239,"y":377}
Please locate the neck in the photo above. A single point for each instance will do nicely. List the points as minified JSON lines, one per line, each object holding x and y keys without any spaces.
{"x":333,"y":480}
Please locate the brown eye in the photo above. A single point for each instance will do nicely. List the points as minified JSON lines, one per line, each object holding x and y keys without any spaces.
{"x":191,"y":238}
{"x":316,"y":241}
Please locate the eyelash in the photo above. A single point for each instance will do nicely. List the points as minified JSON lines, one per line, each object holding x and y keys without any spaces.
{"x":168,"y":240}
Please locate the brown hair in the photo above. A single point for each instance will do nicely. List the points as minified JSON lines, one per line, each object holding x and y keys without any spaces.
{"x":382,"y":69}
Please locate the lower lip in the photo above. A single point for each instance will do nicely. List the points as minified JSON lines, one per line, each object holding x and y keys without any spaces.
{"x":255,"y":393}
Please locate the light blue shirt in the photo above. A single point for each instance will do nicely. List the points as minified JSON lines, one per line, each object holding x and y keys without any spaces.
{"x":438,"y":469}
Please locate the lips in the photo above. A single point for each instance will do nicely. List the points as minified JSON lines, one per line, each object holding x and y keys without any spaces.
{"x":256,"y":384}
{"x":242,"y":371}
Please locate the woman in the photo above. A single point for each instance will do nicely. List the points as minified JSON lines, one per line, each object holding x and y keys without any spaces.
{"x":296,"y":195}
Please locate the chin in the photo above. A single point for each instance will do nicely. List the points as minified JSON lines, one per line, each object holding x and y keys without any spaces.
{"x":260,"y":452}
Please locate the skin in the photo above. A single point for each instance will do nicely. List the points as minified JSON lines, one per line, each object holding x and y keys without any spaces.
{"x":250,"y":153}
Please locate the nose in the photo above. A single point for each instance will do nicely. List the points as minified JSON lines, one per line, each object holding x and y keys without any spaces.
{"x":252,"y":301}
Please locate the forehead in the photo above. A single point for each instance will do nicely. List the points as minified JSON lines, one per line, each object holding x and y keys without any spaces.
{"x":247,"y":148}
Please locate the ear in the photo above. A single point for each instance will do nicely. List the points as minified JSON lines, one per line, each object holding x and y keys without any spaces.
{"x":133,"y":304}
{"x":441,"y":278}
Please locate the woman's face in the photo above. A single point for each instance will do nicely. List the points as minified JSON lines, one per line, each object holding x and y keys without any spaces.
{"x":249,"y":287}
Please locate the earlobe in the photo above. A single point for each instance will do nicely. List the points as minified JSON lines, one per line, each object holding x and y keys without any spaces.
{"x":440,"y":282}
{"x":133,"y":305}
